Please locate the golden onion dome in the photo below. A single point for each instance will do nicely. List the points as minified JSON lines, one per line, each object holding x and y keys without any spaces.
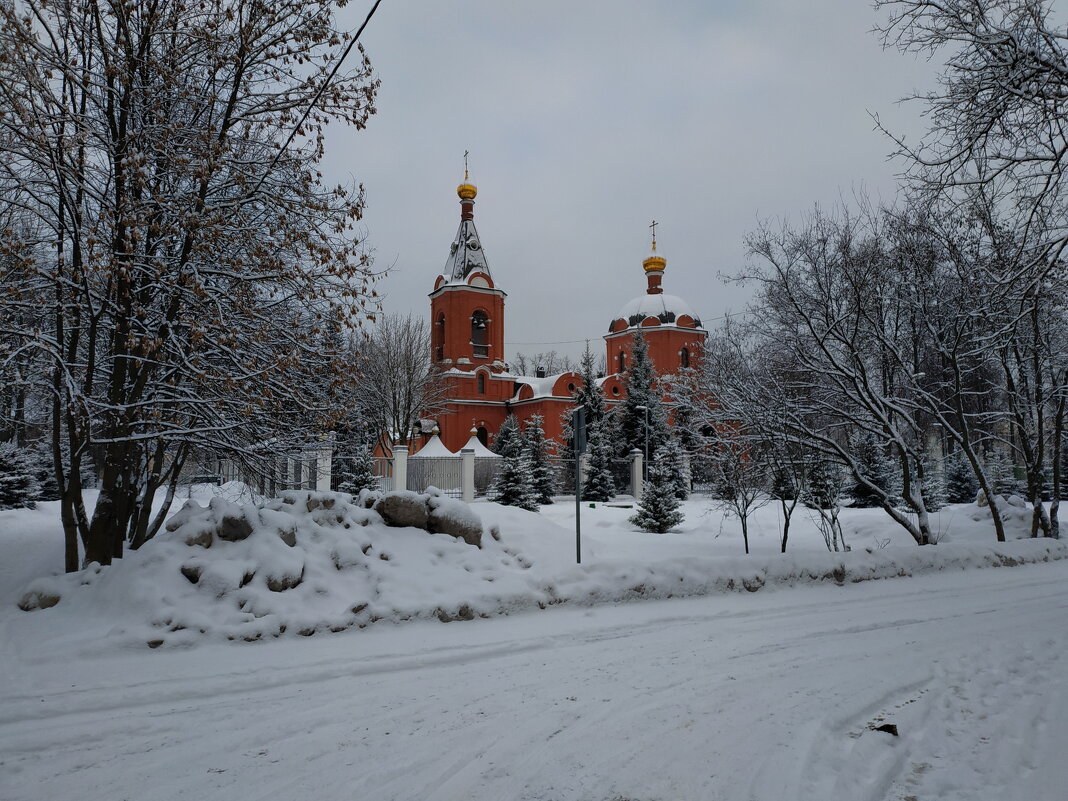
{"x":466,"y":191}
{"x":654,"y":262}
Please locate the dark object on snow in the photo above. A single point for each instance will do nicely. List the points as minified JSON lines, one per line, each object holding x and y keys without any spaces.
{"x":889,"y":728}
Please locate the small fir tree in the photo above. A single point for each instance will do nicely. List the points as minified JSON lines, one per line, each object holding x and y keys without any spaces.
{"x":599,"y":484}
{"x":672,"y":462}
{"x":659,"y":507}
{"x":18,"y":483}
{"x":590,"y":394}
{"x":874,"y":465}
{"x":356,"y":471}
{"x":1002,"y":477}
{"x":933,"y":488}
{"x":544,"y":476}
{"x":961,"y":484}
{"x":824,"y":485}
{"x":514,"y":483}
{"x":642,"y":391}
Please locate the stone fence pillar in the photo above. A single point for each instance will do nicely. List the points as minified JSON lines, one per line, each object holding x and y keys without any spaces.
{"x":467,"y":475}
{"x":400,"y":467}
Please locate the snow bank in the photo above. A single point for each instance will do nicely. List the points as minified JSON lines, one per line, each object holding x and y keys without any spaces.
{"x":314,"y":562}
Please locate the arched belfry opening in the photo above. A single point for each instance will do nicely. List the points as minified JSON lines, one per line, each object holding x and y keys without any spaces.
{"x":480,"y":334}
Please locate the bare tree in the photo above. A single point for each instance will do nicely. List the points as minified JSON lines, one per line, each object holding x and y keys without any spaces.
{"x":550,"y":362}
{"x":997,"y":116}
{"x":740,"y":478}
{"x":189,"y":259}
{"x":399,"y":383}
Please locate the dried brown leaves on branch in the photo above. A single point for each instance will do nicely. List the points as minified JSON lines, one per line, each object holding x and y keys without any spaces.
{"x":189,"y":280}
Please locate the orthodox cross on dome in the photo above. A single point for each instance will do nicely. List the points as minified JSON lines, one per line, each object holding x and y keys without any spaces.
{"x":653,"y":225}
{"x":466,"y":176}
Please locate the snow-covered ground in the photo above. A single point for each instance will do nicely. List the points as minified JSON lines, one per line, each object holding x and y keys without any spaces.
{"x":731,"y":694}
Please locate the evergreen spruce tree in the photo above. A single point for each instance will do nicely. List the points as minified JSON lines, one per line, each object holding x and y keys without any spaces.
{"x":1002,"y":478}
{"x":685,"y":398}
{"x":352,"y":467}
{"x":641,"y":392}
{"x":672,"y":462}
{"x":874,"y":465}
{"x":824,"y":485}
{"x":18,"y":483}
{"x":543,"y":474}
{"x":509,"y":441}
{"x":590,"y":393}
{"x":599,"y":484}
{"x":961,"y":484}
{"x":514,"y":484}
{"x":565,"y":450}
{"x":933,"y":487}
{"x":659,"y":507}
{"x":356,"y":471}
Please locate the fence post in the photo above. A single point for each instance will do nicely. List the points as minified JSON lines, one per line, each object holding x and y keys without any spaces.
{"x":636,"y":473}
{"x":400,"y":467}
{"x":467,"y":475}
{"x":583,"y":468}
{"x":324,"y":465}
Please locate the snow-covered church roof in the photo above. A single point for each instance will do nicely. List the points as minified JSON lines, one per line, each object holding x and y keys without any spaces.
{"x":668,"y":308}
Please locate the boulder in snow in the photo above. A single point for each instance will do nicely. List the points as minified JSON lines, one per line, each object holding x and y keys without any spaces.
{"x":38,"y":599}
{"x":403,"y":508}
{"x":234,"y":528}
{"x":455,"y":518}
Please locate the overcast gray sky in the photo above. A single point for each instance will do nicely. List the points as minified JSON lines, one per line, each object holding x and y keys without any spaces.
{"x":586,"y":120}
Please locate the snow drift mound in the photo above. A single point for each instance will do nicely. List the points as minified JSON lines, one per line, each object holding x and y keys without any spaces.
{"x":302,"y":563}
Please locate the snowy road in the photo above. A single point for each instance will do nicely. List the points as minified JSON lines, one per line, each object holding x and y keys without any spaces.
{"x":762,"y":696}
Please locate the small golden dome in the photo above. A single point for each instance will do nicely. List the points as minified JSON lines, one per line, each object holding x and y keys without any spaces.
{"x":466,"y":191}
{"x":653,"y":263}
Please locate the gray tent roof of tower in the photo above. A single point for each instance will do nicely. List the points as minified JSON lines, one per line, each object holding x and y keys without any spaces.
{"x":465,"y":254}
{"x":481,"y":451}
{"x":434,"y":448}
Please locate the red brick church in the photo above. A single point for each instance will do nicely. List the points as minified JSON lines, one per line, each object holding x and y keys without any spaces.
{"x":468,"y":323}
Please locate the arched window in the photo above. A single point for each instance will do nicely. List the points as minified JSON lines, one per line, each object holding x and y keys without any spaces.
{"x":481,"y":383}
{"x":480,"y":333}
{"x":684,"y":357}
{"x":483,"y":435}
{"x":622,"y":361}
{"x":439,"y":338}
